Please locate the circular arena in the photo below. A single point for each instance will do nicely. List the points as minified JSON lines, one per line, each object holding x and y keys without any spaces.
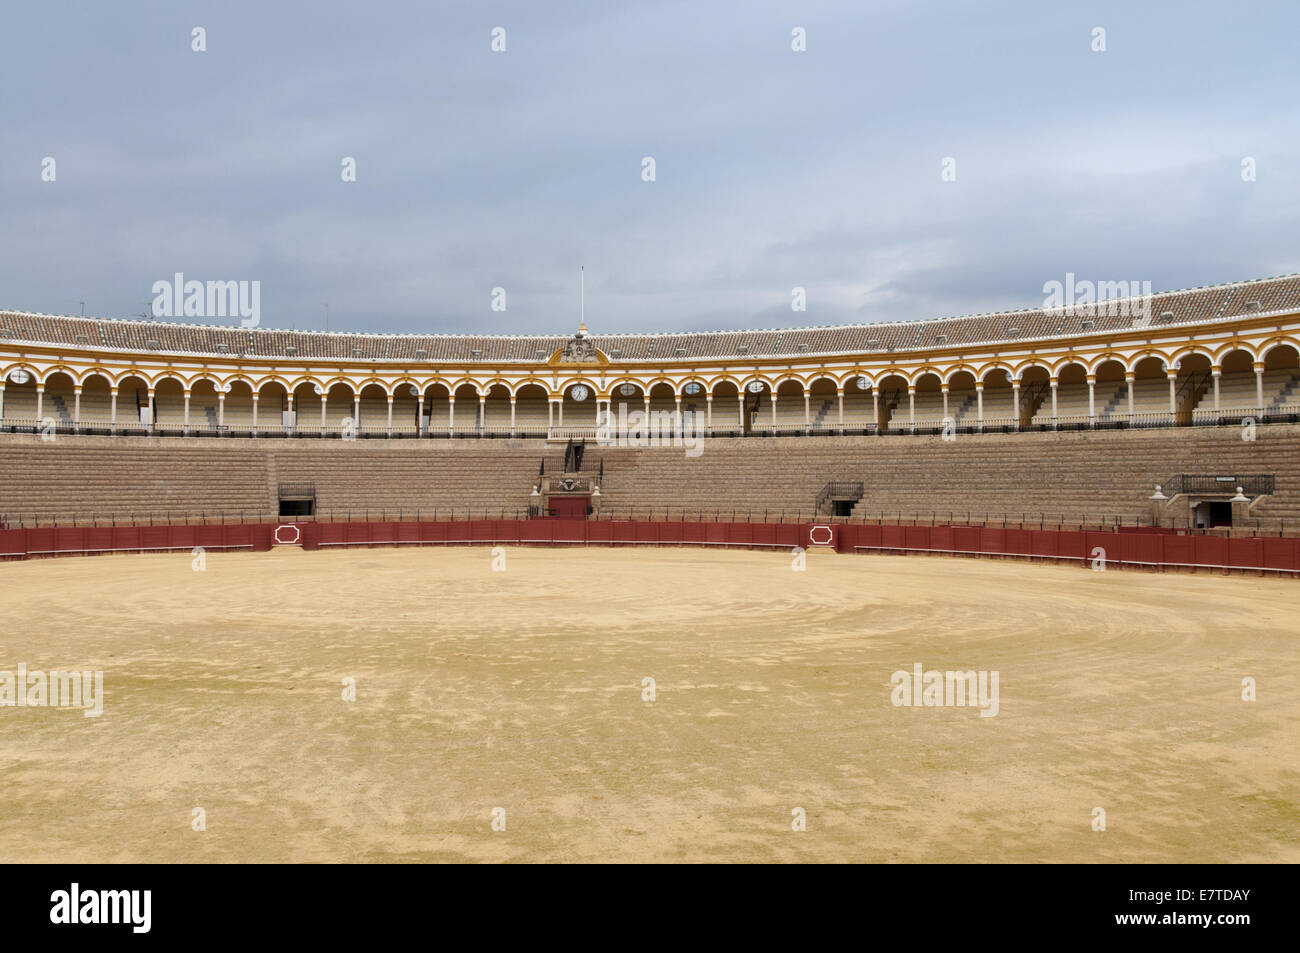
{"x":649,"y":704}
{"x":1006,"y":587}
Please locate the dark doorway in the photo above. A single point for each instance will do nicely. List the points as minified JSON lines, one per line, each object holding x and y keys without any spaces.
{"x":843,"y":507}
{"x":1221,"y":514}
{"x":297,"y":507}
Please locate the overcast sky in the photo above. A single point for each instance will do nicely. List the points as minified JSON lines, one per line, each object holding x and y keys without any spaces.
{"x":774,"y":168}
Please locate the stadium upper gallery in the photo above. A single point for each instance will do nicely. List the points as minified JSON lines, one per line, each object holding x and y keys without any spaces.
{"x":1172,"y":411}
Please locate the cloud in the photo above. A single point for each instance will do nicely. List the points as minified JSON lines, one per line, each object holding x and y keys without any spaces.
{"x":775,"y":169}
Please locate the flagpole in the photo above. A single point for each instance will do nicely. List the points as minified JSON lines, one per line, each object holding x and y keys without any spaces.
{"x":582,"y":294}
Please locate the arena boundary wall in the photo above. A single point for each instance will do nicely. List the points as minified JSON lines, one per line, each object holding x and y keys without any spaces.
{"x":1155,"y":551}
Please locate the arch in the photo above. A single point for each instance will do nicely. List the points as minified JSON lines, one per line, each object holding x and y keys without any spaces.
{"x":237,"y":414}
{"x":1235,"y":347}
{"x":1281,"y":354}
{"x":59,"y":369}
{"x":1028,"y":365}
{"x":891,"y":405}
{"x":1179,"y":355}
{"x":955,"y":369}
{"x":455,"y":384}
{"x":463,"y":409}
{"x":693,"y":379}
{"x":520,"y":384}
{"x":1108,"y":357}
{"x":616,"y":390}
{"x":20,"y":399}
{"x":169,"y":404}
{"x":578,"y":413}
{"x":567,"y":383}
{"x":783,"y":379}
{"x":496,"y":407}
{"x":1147,"y":358}
{"x":532,"y":407}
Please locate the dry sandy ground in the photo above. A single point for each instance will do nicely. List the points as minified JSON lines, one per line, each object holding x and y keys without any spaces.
{"x":523,"y":690}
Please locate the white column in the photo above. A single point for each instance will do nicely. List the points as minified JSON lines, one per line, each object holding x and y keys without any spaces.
{"x":149,"y":402}
{"x":979,"y":404}
{"x":839,"y":395}
{"x":740,"y":399}
{"x":1217,"y":373}
{"x":944,"y":389}
{"x":1053,"y":382}
{"x":1015,"y":403}
{"x":773,"y":393}
{"x":1128,"y":379}
{"x":289,"y":409}
{"x":512,"y":416}
{"x":451,"y":413}
{"x":1259,"y":387}
{"x":76,"y":406}
{"x":2,"y":400}
{"x":708,"y":413}
{"x":1173,"y":395}
{"x":482,"y":411}
{"x":677,"y":412}
{"x":875,"y":406}
{"x":187,"y":412}
{"x":911,"y":407}
{"x":112,"y":410}
{"x":40,"y":401}
{"x":221,"y":409}
{"x":1092,"y":402}
{"x":323,"y":398}
{"x":356,"y":411}
{"x":390,"y":415}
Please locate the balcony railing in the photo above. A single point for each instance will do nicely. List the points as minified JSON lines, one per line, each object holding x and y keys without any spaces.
{"x":1234,"y":417}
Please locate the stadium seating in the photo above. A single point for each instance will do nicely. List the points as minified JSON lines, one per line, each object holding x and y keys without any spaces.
{"x":1073,"y":477}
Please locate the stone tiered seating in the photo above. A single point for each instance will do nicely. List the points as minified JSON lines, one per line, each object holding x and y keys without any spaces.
{"x":1070,"y":476}
{"x":175,"y":477}
{"x":1091,"y":475}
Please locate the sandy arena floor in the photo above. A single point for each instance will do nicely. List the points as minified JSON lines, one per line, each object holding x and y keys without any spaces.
{"x":523,"y":690}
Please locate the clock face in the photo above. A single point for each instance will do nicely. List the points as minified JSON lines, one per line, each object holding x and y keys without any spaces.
{"x":756,"y":387}
{"x":627,"y":390}
{"x":579,"y":392}
{"x":692,"y":388}
{"x":862,"y":383}
{"x":19,"y":376}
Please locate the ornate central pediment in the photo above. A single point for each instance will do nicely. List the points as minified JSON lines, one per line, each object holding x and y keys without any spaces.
{"x":578,"y":350}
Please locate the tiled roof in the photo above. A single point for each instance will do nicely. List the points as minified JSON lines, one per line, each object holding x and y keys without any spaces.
{"x":1194,"y":305}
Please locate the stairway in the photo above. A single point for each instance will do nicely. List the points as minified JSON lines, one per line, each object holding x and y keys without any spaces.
{"x":1108,"y":411}
{"x":61,"y":407}
{"x":1286,"y":395}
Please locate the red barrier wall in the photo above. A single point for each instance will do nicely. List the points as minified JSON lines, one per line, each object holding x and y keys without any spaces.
{"x":1120,"y":548}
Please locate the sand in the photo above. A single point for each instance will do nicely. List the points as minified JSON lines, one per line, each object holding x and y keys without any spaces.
{"x":523,"y":690}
